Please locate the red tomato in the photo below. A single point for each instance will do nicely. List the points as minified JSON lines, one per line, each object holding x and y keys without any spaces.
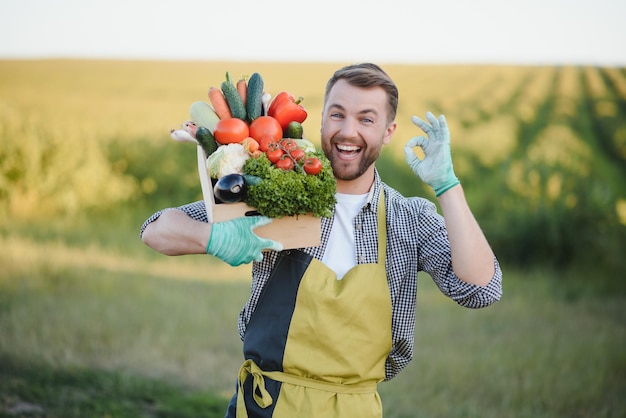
{"x":312,"y":165}
{"x":266,"y":126}
{"x":231,"y":131}
{"x":266,"y":143}
{"x":274,"y":155}
{"x":285,"y":163}
{"x":288,"y":144}
{"x":297,"y":154}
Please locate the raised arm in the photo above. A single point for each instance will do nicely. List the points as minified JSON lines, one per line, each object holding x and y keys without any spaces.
{"x":472,"y":257}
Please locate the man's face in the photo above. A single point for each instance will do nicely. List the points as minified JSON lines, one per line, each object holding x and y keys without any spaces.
{"x":354,"y":129}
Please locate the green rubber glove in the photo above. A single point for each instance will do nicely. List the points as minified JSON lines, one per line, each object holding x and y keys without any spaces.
{"x":435,"y":169}
{"x":235,"y":243}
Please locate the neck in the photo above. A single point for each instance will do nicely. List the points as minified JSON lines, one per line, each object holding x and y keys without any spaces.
{"x":360,"y":185}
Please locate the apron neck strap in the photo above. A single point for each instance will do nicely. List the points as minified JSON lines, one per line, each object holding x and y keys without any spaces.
{"x":382,"y":229}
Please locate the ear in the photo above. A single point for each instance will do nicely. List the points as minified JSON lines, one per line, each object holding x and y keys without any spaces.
{"x":391,"y":128}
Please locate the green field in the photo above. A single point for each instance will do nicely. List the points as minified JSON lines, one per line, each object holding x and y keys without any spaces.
{"x":95,"y":324}
{"x":125,"y":335}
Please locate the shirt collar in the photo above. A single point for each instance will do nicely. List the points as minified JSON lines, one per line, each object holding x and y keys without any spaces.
{"x":374,"y":193}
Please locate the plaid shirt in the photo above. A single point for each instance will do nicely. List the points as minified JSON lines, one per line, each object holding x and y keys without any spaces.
{"x":416,"y":241}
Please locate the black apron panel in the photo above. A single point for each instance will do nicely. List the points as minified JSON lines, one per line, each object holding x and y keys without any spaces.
{"x":266,"y":333}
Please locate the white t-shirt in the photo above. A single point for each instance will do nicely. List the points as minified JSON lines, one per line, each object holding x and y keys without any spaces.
{"x":340,"y":253}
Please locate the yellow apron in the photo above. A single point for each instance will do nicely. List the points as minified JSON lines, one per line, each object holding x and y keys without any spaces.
{"x":316,"y":346}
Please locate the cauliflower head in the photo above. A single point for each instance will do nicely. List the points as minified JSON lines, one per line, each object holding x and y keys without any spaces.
{"x":227,"y":159}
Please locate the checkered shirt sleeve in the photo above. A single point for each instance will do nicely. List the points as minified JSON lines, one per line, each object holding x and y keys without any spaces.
{"x":195,"y":210}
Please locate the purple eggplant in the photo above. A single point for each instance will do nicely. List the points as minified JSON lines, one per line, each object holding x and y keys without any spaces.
{"x":230,"y":188}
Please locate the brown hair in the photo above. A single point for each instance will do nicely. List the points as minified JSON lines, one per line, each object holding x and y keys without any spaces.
{"x":367,"y":75}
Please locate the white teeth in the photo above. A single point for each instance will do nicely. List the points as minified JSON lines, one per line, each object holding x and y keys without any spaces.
{"x":348,"y":147}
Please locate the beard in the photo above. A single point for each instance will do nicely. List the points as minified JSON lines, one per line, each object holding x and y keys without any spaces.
{"x":347,"y":170}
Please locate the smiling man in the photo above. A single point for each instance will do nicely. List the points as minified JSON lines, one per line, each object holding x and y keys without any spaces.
{"x":325,"y":325}
{"x":354,"y":129}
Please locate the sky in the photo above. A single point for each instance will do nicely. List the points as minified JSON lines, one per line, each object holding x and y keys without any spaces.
{"x":532,"y":32}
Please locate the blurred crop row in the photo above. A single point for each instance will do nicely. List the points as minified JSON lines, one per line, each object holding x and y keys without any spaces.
{"x":541,"y":151}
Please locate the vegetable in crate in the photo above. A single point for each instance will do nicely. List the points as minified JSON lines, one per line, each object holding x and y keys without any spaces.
{"x":290,"y":193}
{"x":202,"y":114}
{"x":254,"y":101}
{"x":227,"y":159}
{"x":294,"y":130}
{"x":233,"y":99}
{"x":218,"y":101}
{"x":231,"y":131}
{"x":231,"y":188}
{"x":206,"y":140}
{"x":286,"y":109}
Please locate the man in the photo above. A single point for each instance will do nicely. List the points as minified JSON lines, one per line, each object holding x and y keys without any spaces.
{"x":324,"y":325}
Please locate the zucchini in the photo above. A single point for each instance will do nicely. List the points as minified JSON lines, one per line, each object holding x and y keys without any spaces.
{"x":234,"y":100}
{"x":254,"y":105}
{"x":202,"y":114}
{"x":206,"y":140}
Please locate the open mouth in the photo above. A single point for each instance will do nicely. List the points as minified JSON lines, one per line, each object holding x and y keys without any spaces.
{"x":348,"y":151}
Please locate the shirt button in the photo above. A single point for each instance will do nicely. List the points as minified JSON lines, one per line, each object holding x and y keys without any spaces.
{"x":360,"y":258}
{"x":358,"y":226}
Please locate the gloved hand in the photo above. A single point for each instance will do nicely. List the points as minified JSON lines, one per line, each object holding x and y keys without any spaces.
{"x":235,"y":243}
{"x":435,"y":169}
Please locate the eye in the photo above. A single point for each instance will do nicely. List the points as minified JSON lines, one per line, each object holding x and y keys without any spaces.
{"x":336,"y":115}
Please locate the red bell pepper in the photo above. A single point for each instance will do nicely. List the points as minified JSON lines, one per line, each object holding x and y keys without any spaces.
{"x":285,"y":109}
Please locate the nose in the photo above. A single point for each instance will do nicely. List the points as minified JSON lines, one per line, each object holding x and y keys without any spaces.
{"x":349,"y":128}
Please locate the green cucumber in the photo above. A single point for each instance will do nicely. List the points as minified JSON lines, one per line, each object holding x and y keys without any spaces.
{"x":254,"y":105}
{"x":234,"y":100}
{"x":202,"y":114}
{"x":294,"y":130}
{"x":206,"y":140}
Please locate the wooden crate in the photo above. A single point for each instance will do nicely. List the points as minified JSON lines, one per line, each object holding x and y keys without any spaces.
{"x":291,"y":231}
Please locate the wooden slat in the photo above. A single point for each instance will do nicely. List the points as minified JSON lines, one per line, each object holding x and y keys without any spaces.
{"x":291,"y":231}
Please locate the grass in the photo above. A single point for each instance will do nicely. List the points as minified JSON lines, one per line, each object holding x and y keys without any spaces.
{"x":111,"y":317}
{"x":38,"y":390}
{"x":545,"y":350}
{"x":88,"y":331}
